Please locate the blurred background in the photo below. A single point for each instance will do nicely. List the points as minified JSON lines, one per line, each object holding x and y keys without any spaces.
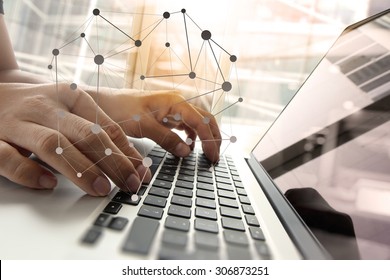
{"x":277,"y":43}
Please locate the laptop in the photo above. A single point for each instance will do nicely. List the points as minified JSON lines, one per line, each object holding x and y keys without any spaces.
{"x":314,"y":187}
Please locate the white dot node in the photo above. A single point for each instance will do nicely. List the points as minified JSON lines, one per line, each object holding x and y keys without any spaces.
{"x":165,"y":120}
{"x":134,"y":197}
{"x":206,"y":120}
{"x":189,"y":141}
{"x":177,"y":117}
{"x":233,"y":139}
{"x":79,"y":175}
{"x":147,"y":162}
{"x":96,"y":129}
{"x":59,"y":151}
{"x":108,"y":152}
{"x":137,"y":118}
{"x":131,"y":145}
{"x":211,"y":169}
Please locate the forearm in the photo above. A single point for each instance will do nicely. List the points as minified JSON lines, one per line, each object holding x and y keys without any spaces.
{"x":18,"y":76}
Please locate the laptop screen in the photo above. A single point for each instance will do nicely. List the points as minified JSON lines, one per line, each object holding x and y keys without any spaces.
{"x":329,"y":150}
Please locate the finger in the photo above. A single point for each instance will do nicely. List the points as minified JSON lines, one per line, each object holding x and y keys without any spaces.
{"x":101,"y":145}
{"x":165,"y":137}
{"x":203,"y":123}
{"x":53,"y":148}
{"x":86,"y":108}
{"x":23,"y":170}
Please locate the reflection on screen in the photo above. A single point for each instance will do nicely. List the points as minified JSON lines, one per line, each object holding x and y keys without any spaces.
{"x":334,"y":138}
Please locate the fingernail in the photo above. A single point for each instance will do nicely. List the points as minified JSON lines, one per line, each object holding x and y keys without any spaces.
{"x":144,"y":173}
{"x":47,"y":181}
{"x":133,"y":182}
{"x":182,"y":150}
{"x":101,"y":186}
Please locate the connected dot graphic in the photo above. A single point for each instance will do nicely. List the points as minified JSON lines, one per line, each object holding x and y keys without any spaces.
{"x":208,"y":68}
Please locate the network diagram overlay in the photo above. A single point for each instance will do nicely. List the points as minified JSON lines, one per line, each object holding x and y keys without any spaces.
{"x":192,"y":60}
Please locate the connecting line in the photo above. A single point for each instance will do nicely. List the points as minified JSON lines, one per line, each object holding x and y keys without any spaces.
{"x":58,"y":102}
{"x":221,"y":47}
{"x":153,"y":29}
{"x":120,"y":30}
{"x":188,"y":41}
{"x":97,"y":93}
{"x":89,"y":46}
{"x":216,"y":60}
{"x":166,"y":76}
{"x":69,"y":42}
{"x":194,"y":22}
{"x":200,"y":52}
{"x":119,"y":52}
{"x":226,"y":108}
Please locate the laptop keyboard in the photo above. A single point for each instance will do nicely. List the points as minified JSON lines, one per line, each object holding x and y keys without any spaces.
{"x":202,"y":211}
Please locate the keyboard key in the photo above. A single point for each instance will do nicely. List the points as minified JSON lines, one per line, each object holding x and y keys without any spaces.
{"x":184,"y":184}
{"x":175,"y":237}
{"x":234,"y":172}
{"x":241,"y":192}
{"x":206,"y":213}
{"x":162,"y":184}
{"x":206,"y":240}
{"x":248,"y":209}
{"x":124,"y":197}
{"x":230,"y":212}
{"x":183,"y":192}
{"x":206,"y":225}
{"x":155,"y":201}
{"x":228,"y":202}
{"x":208,"y":203}
{"x":181,"y":211}
{"x":222,"y":175}
{"x":227,"y":194}
{"x":169,"y":170}
{"x":205,"y":194}
{"x":257,"y":233}
{"x":186,"y":178}
{"x":204,"y":173}
{"x":252,"y":220}
{"x":205,"y":186}
{"x":165,"y":177}
{"x":92,"y":236}
{"x":102,"y":220}
{"x":223,"y":180}
{"x":235,"y":237}
{"x":220,"y":168}
{"x":205,"y":180}
{"x":236,"y":178}
{"x":118,"y":223}
{"x":262,"y":250}
{"x":226,"y":187}
{"x":156,"y":153}
{"x":234,"y":224}
{"x":150,"y":212}
{"x":181,"y":200}
{"x":112,"y":208}
{"x":141,"y":235}
{"x":187,"y":172}
{"x":239,"y":185}
{"x":159,"y":192}
{"x":238,"y":253}
{"x":244,"y":199}
{"x":142,"y":190}
{"x":177,"y":223}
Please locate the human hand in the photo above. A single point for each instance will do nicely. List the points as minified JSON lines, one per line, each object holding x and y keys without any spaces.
{"x":155,"y":115}
{"x":69,"y":132}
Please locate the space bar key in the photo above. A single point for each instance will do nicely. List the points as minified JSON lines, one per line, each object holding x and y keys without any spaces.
{"x":141,"y":235}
